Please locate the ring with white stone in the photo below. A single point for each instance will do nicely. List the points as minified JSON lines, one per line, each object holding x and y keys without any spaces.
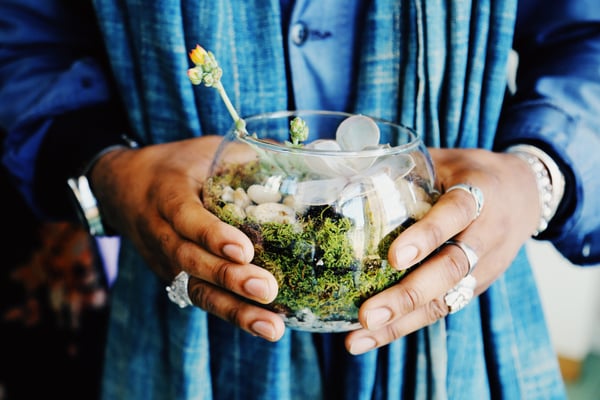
{"x":178,"y":290}
{"x":472,"y":257}
{"x":474,"y":191}
{"x":460,"y":295}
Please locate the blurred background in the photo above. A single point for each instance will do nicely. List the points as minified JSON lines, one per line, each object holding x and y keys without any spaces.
{"x":571,"y":299}
{"x":53,"y":306}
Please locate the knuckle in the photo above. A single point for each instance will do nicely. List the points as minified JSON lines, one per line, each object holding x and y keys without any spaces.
{"x":436,"y":309}
{"x":208,"y":230}
{"x":171,"y":208}
{"x":223,"y":275}
{"x":170,"y":199}
{"x":233,"y":315}
{"x":435,"y":234}
{"x":465,"y":210}
{"x":204,"y":297}
{"x":211,"y":300}
{"x":464,"y":207}
{"x":410,"y":298}
{"x":395,"y":332}
{"x":165,"y":243}
{"x":179,"y":215}
{"x":455,"y":265}
{"x":184,"y":256}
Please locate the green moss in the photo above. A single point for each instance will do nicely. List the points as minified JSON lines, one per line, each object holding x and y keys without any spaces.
{"x":333,"y":240}
{"x":312,"y":260}
{"x":316,"y":268}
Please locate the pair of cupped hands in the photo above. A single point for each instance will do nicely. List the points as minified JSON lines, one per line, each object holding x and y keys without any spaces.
{"x":152,"y":195}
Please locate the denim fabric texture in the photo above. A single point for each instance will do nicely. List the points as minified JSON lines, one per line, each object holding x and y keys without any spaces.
{"x":436,"y":66}
{"x":497,"y":346}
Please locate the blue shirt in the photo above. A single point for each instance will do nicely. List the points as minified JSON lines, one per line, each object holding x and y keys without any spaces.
{"x":411,"y":68}
{"x":322,"y":41}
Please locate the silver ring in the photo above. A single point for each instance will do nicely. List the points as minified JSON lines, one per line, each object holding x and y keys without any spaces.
{"x":474,"y":191}
{"x":460,"y":295}
{"x":472,"y":257}
{"x":178,"y":290}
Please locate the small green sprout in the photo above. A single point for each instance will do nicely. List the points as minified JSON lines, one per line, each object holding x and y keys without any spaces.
{"x":298,"y":131}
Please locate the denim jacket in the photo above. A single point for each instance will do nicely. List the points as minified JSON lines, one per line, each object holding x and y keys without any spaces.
{"x":436,"y":66}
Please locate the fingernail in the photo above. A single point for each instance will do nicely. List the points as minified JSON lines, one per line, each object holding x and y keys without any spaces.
{"x":234,"y":253}
{"x":362,"y":345}
{"x":263,"y":329}
{"x":257,"y":288}
{"x":404,"y":256}
{"x":377,"y":317}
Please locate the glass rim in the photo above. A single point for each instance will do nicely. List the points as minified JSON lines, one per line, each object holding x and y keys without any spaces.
{"x":413,"y":144}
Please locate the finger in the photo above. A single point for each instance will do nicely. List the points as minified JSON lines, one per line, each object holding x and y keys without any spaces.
{"x":440,"y":273}
{"x":192,"y":221}
{"x":388,"y":322}
{"x":451,"y":214}
{"x":474,"y":192}
{"x":364,"y":340}
{"x":247,"y":280}
{"x":251,"y":318}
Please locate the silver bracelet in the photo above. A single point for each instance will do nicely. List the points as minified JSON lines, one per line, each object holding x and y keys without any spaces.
{"x":550,"y":180}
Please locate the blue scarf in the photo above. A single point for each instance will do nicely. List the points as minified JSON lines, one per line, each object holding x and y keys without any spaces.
{"x":437,"y":66}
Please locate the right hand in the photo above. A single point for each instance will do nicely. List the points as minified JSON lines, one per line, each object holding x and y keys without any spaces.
{"x":152,"y":196}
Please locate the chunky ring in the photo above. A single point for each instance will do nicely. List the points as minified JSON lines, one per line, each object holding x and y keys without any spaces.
{"x":474,"y":191}
{"x":460,"y":295}
{"x":178,"y":290}
{"x":472,"y":257}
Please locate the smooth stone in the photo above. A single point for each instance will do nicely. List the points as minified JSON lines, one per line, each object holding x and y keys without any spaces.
{"x":272,"y":212}
{"x":260,"y":194}
{"x":357,"y":132}
{"x":241,"y":198}
{"x":227,"y":195}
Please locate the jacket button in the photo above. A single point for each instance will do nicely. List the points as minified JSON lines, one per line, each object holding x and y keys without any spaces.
{"x":299,"y":33}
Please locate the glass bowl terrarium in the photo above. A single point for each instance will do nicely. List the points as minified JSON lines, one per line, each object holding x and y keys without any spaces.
{"x":322,"y":195}
{"x":321,"y":206}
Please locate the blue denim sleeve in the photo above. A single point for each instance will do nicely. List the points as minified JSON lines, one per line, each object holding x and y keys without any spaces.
{"x":556,"y":107}
{"x":49,"y":67}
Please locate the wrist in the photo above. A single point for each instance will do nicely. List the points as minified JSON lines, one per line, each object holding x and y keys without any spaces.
{"x":86,"y":203}
{"x":549,"y":178}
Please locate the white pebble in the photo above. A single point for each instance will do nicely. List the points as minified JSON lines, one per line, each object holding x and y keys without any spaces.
{"x":272,"y":212}
{"x":227,"y":195}
{"x":240,"y":198}
{"x":260,"y":194}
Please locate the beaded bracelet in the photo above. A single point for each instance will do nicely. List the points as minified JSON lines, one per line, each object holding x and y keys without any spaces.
{"x":550,"y":180}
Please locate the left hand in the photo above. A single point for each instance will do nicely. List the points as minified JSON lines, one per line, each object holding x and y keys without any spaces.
{"x":509,"y":217}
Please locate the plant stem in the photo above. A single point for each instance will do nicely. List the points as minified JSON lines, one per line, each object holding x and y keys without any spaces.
{"x":236,"y":118}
